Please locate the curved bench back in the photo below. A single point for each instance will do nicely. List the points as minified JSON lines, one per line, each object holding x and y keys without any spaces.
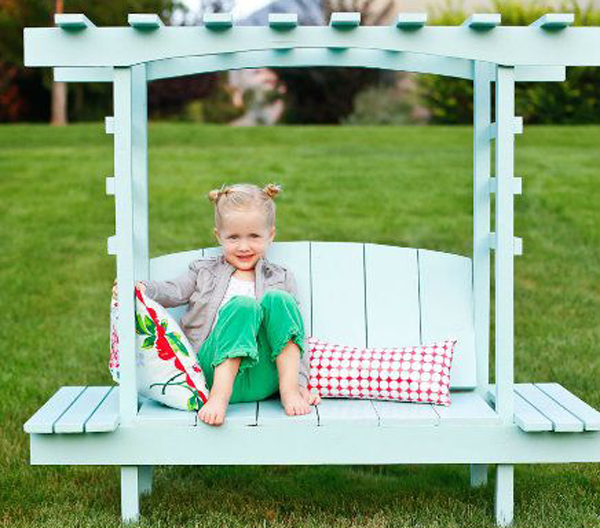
{"x":371,"y":295}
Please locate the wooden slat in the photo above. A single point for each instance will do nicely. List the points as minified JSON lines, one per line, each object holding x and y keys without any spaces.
{"x":73,"y":420}
{"x":411,"y":20}
{"x":466,"y":407}
{"x":296,"y":257}
{"x":392,"y":296}
{"x":403,"y":413}
{"x":213,"y":251}
{"x":170,"y":266}
{"x":338,"y":292}
{"x":334,"y":411}
{"x":446,"y":292}
{"x":562,"y":420}
{"x":271,"y":413}
{"x":154,"y":413}
{"x":244,"y":413}
{"x":106,"y":417}
{"x":527,"y":417}
{"x":587,"y":414}
{"x":43,"y":420}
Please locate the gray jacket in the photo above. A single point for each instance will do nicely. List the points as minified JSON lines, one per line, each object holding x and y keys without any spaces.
{"x":204,"y":285}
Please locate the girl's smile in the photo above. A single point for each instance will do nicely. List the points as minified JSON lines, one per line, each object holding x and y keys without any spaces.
{"x":244,"y":237}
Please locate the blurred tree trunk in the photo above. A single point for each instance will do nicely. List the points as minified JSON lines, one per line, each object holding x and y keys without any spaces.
{"x":59,"y":90}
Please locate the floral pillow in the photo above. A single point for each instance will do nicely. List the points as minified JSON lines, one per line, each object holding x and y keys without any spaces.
{"x":167,"y":370}
{"x":419,"y":374}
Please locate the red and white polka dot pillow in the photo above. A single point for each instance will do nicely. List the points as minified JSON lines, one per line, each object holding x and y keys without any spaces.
{"x":419,"y":374}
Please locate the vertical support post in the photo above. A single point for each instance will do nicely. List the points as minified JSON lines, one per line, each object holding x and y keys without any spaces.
{"x":132,"y":222}
{"x":504,"y":256}
{"x":130,"y":494}
{"x":504,"y":509}
{"x":139,"y":90}
{"x":504,"y":275}
{"x":482,"y":109}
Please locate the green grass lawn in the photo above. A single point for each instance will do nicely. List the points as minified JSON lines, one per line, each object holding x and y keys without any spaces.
{"x":401,"y":186}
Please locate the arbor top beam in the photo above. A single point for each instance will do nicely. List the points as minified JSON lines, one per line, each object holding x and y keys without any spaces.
{"x":531,"y":45}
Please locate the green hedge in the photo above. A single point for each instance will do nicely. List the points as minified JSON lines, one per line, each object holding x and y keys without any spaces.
{"x":575,"y":101}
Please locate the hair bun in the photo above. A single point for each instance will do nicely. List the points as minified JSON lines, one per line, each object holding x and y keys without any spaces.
{"x":215,"y":194}
{"x":272,"y":190}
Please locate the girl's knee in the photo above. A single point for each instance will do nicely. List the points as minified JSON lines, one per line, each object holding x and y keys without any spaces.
{"x":277,"y":296}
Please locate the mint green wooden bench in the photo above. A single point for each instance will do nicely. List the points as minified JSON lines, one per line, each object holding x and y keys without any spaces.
{"x":430,"y":295}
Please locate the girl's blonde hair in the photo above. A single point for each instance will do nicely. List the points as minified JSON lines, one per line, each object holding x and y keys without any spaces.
{"x":243,"y":196}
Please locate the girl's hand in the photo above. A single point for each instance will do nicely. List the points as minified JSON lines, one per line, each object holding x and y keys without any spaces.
{"x":139,"y":285}
{"x":310,"y":397}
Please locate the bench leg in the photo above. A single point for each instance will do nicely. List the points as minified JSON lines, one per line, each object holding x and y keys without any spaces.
{"x":504,"y":494}
{"x":146,"y":477}
{"x":478,"y":475}
{"x":130,"y":491}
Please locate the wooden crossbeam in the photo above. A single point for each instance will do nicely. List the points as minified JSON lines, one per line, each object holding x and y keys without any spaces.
{"x":345,"y":20}
{"x":283,"y":20}
{"x":144,"y":21}
{"x":411,"y":20}
{"x":72,"y":21}
{"x":483,"y":21}
{"x":554,"y":21}
{"x":517,"y":184}
{"x":109,"y":125}
{"x":218,"y":20}
{"x":110,"y":185}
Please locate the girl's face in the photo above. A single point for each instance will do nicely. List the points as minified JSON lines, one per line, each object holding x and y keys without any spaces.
{"x":244,"y":237}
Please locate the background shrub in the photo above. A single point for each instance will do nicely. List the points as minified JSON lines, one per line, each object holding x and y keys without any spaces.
{"x":574,"y":101}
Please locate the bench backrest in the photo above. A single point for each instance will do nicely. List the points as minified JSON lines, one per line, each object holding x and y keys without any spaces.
{"x":371,"y":295}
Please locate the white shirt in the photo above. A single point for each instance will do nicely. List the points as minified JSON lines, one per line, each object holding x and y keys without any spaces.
{"x":236,"y":287}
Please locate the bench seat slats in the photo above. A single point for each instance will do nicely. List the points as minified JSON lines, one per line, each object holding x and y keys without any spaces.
{"x":334,"y":411}
{"x":106,"y":417}
{"x":271,"y":413}
{"x":584,"y":412}
{"x":154,"y":413}
{"x":401,"y":413}
{"x":243,"y":413}
{"x":74,"y":418}
{"x":43,"y":420}
{"x":562,"y":420}
{"x":527,"y":417}
{"x":466,"y":407}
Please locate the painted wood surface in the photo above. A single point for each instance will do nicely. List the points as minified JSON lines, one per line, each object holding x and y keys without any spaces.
{"x":106,"y":417}
{"x":120,"y":46}
{"x":446,"y":293}
{"x":482,"y":110}
{"x":392,"y":296}
{"x":504,"y":255}
{"x":75,"y":417}
{"x":343,"y":443}
{"x":367,"y":58}
{"x":43,"y":420}
{"x":372,"y":295}
{"x":587,"y":414}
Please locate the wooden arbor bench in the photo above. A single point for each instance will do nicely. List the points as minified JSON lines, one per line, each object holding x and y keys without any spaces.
{"x":346,"y":289}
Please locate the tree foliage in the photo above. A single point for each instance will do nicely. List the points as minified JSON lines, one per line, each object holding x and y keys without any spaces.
{"x":25,"y":92}
{"x":577,"y":100}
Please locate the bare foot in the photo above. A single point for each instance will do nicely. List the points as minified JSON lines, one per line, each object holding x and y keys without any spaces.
{"x":213,"y":411}
{"x":293,"y":402}
{"x":310,"y":397}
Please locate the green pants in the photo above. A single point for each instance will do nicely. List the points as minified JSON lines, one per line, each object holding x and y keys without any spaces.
{"x":257,"y":332}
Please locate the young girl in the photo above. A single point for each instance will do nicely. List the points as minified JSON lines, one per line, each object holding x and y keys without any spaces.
{"x":243,"y":315}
